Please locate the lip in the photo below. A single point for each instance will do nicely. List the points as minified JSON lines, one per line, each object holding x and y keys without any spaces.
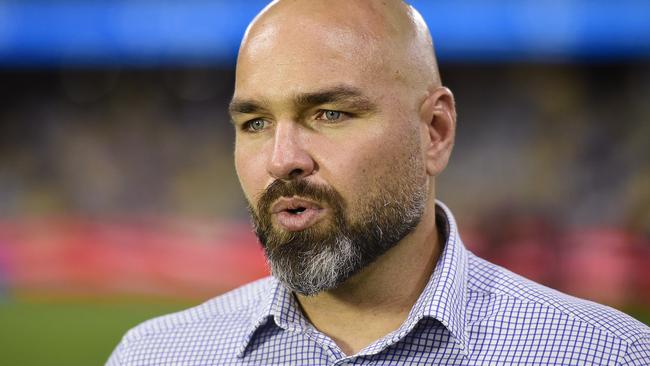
{"x":311,"y":214}
{"x":292,"y":203}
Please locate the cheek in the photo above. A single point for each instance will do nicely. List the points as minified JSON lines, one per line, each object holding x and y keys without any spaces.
{"x":365,"y":164}
{"x":251,"y":172}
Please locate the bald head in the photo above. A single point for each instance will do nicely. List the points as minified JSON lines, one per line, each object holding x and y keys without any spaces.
{"x":342,"y":95}
{"x":389,"y":38}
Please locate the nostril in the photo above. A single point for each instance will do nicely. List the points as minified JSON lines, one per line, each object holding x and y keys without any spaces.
{"x":296,"y":173}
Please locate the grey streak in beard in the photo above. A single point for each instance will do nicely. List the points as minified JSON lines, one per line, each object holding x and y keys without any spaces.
{"x":321,"y":258}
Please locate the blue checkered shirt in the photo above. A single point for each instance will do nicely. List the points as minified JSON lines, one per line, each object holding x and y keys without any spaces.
{"x":471,"y":312}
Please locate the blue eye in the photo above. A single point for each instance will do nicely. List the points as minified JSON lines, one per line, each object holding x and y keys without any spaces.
{"x":256,"y":125}
{"x":328,"y":115}
{"x":332,"y":115}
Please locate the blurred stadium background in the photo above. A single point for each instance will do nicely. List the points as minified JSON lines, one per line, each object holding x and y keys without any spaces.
{"x":119,"y":201}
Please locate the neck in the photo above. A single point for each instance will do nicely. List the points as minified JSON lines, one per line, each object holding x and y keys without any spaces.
{"x":377,"y":300}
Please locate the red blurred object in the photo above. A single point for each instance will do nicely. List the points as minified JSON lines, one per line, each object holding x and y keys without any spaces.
{"x":607,"y":265}
{"x":202,"y":258}
{"x":178,"y":258}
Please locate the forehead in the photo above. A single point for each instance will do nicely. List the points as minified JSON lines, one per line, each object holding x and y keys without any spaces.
{"x":288,"y":59}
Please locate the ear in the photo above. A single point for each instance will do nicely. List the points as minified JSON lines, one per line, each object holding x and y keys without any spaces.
{"x":438,"y":117}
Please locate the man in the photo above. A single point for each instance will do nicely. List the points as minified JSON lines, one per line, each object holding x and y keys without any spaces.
{"x":342,"y":125}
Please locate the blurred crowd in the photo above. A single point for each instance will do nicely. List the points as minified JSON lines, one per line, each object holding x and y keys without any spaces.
{"x":552,"y":161}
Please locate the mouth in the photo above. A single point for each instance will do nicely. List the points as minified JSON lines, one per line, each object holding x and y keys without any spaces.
{"x":295,"y":214}
{"x":296,"y":211}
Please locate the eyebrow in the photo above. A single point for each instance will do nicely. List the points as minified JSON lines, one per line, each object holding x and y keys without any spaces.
{"x":350,"y":96}
{"x":245,"y":107}
{"x":339,"y":94}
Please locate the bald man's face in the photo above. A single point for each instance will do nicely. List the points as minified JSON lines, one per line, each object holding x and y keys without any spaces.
{"x":328,"y":142}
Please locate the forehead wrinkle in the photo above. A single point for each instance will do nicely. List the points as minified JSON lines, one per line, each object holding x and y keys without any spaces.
{"x":353,"y":97}
{"x":386,"y":41}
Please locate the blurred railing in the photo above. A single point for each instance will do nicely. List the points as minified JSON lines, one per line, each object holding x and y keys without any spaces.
{"x":188,"y":259}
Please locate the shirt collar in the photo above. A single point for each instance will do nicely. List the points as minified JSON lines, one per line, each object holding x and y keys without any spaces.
{"x":444,"y":298}
{"x":277,"y":304}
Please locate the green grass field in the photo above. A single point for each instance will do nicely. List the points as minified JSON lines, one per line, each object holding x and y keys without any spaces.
{"x":69,"y":333}
{"x":83,"y":333}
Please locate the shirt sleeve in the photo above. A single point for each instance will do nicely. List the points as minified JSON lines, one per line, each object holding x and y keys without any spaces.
{"x":638,"y":353}
{"x":116,"y":356}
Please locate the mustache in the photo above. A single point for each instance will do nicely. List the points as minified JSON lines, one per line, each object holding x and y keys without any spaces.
{"x":302,"y":188}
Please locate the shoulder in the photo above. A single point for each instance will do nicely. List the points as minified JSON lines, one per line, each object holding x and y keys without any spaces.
{"x":227,"y":316}
{"x":237,"y":303}
{"x":497,"y":292}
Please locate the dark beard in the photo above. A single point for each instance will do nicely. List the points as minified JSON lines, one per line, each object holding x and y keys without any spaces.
{"x":326,"y":254}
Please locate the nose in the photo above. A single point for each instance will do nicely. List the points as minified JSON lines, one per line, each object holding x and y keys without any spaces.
{"x":290,"y":159}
